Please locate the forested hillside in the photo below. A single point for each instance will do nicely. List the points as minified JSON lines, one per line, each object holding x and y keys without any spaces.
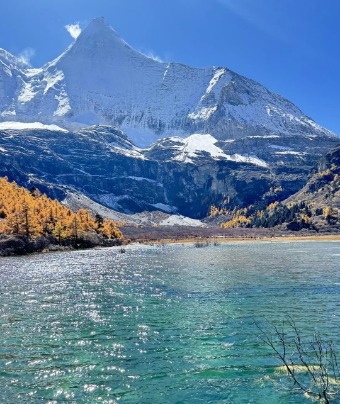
{"x":36,"y":217}
{"x":316,"y":206}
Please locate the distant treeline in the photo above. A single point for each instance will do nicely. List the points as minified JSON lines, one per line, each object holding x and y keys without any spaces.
{"x":294,"y":216}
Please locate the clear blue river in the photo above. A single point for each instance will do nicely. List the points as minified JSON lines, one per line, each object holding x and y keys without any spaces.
{"x":160,"y":324}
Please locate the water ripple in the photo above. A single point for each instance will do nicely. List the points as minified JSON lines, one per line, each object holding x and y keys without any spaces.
{"x":159,"y":325}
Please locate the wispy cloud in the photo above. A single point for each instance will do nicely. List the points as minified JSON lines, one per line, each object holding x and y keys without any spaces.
{"x":26,"y":55}
{"x":153,"y":56}
{"x":73,"y":29}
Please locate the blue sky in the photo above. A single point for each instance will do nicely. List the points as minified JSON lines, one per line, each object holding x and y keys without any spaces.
{"x":290,"y":46}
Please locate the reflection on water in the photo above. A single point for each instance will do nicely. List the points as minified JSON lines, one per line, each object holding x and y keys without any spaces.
{"x":159,"y":324}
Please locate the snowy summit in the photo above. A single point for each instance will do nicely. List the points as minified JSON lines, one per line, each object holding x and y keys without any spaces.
{"x":100,"y":79}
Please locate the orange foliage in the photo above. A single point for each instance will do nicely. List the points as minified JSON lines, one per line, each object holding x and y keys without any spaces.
{"x":237,"y":221}
{"x":34,"y":215}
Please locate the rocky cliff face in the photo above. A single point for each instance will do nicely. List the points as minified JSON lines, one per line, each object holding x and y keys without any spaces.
{"x":100,"y":79}
{"x":173,"y":175}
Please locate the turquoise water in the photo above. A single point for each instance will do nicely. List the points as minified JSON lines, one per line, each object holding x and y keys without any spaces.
{"x":160,"y":324}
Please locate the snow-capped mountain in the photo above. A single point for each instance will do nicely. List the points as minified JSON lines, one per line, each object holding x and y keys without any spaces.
{"x":105,"y":122}
{"x":100,"y":79}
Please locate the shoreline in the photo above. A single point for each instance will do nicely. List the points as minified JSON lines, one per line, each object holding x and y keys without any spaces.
{"x":211,"y":240}
{"x":199,"y":241}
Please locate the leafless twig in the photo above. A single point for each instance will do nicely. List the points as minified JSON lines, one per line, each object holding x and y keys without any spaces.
{"x":311,"y":365}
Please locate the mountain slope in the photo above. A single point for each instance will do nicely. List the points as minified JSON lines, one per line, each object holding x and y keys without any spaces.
{"x":323,"y":188}
{"x":100,"y":79}
{"x":185,"y":176}
{"x":11,"y":83}
{"x":316,"y":206}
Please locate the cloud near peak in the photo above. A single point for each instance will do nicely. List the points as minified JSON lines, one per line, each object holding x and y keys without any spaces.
{"x":153,"y":56}
{"x":26,"y":55}
{"x":73,"y":29}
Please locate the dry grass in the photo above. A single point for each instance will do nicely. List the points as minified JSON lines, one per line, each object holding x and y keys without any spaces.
{"x":166,"y":234}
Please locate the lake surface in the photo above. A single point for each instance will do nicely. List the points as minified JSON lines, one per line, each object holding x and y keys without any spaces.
{"x":160,"y":324}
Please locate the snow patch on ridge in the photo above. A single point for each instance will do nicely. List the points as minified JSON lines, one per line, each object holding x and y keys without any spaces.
{"x":179,"y":220}
{"x":165,"y":208}
{"x":204,"y":113}
{"x":264,"y":137}
{"x":53,"y":79}
{"x":292,"y":152}
{"x":27,"y":93}
{"x":248,"y":159}
{"x":10,"y":112}
{"x":193,"y":146}
{"x":129,"y":153}
{"x":29,"y":125}
{"x":63,"y":104}
{"x":33,"y":72}
{"x":216,"y":77}
{"x":166,"y":71}
{"x":145,"y":179}
{"x":278,"y":147}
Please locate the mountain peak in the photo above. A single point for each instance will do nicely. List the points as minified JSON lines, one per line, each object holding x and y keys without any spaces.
{"x":100,"y":28}
{"x":99,"y":21}
{"x":100,"y":50}
{"x":97,"y":25}
{"x":100,"y":79}
{"x":99,"y":41}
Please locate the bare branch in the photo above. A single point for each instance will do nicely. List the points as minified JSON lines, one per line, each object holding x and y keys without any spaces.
{"x":317,"y":359}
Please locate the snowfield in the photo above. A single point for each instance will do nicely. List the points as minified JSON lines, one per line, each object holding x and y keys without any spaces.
{"x":29,"y":126}
{"x":192,"y":147}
